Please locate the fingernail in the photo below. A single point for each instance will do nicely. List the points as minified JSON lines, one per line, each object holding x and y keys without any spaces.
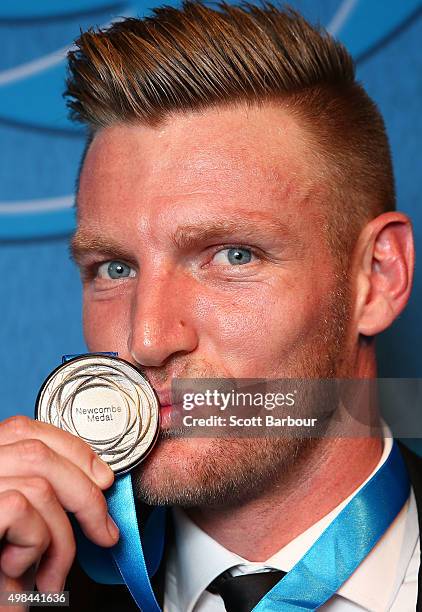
{"x":102,"y":472}
{"x":112,"y":528}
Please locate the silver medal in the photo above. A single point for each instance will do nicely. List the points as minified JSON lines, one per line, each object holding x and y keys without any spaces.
{"x":106,"y":402}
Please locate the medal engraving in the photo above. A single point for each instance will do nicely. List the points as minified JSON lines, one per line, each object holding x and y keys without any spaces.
{"x":106,"y":402}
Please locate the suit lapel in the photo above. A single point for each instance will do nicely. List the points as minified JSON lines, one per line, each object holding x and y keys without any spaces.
{"x":158,"y":581}
{"x":414,"y":467}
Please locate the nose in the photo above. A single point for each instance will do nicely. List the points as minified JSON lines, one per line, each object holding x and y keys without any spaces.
{"x":161,"y":321}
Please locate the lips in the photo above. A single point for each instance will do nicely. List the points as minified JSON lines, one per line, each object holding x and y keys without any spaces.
{"x":165,"y":416}
{"x":170,"y":411}
{"x":164,"y":397}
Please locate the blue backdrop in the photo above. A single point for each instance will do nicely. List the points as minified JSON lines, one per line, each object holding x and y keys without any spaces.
{"x":41,"y":305}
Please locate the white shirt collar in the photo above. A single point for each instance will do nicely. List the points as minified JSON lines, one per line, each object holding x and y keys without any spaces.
{"x":196,"y":559}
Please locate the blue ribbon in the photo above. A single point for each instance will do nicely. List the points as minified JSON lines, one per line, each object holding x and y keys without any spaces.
{"x":128,"y":553}
{"x":132,"y":561}
{"x":344,"y":544}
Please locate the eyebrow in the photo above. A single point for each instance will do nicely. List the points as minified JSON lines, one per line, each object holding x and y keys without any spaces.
{"x":186,"y":236}
{"x":83,"y":243}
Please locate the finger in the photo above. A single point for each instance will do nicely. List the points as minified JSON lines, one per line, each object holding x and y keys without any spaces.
{"x":26,"y":582}
{"x":74,"y":490}
{"x":25,"y":533}
{"x":77,"y":451}
{"x":58,"y":558}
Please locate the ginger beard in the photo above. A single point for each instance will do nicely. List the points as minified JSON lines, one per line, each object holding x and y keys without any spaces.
{"x":192,"y":472}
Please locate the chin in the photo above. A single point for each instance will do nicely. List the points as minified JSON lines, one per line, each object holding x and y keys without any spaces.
{"x":172,"y":471}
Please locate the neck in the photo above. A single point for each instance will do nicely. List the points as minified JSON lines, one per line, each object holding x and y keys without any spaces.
{"x":330,"y":472}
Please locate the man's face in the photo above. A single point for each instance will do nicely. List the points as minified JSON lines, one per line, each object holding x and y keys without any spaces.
{"x":215,"y":223}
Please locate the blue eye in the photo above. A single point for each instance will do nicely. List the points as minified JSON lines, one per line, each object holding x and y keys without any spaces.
{"x":115,"y":270}
{"x":235,"y":256}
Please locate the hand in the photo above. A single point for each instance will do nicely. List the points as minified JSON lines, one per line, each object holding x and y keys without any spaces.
{"x":43,"y":472}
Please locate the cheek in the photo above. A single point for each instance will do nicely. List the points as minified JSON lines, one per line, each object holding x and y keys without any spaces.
{"x":105,"y":324}
{"x":259,"y":327}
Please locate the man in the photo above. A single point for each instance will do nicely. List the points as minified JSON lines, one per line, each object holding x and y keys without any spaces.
{"x":235,"y":220}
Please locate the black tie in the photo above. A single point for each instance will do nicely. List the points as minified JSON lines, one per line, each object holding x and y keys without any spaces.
{"x":242,"y":593}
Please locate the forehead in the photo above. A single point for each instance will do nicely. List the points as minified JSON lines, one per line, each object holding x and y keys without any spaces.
{"x":237,"y":154}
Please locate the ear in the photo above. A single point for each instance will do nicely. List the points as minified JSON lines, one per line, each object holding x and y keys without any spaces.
{"x":385,"y":261}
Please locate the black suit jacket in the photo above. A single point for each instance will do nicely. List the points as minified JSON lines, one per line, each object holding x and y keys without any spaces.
{"x":88,"y":596}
